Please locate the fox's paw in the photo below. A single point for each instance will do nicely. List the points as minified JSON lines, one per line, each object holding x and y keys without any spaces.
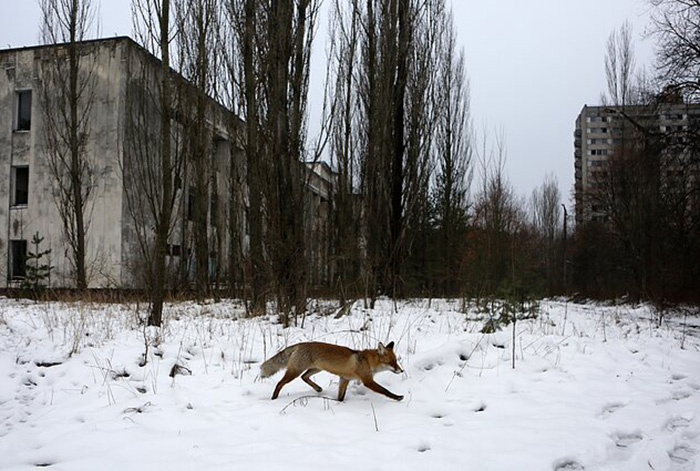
{"x":399,"y":398}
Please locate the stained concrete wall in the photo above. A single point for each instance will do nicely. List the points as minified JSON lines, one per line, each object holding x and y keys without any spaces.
{"x":113,"y":246}
{"x":142,"y":80}
{"x":21,"y":69}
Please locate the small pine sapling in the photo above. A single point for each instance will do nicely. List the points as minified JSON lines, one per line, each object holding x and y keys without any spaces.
{"x":38,"y":268}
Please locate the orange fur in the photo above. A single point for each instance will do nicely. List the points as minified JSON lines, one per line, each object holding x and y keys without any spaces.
{"x":308,"y":358}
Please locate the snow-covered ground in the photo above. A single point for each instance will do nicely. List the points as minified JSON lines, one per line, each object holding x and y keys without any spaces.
{"x":594,"y":387}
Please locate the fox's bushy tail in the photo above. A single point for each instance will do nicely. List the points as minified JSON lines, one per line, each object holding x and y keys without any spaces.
{"x":276,"y":363}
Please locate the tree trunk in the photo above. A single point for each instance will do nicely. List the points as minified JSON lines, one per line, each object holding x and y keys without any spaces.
{"x":164,"y":220}
{"x":254,"y":175}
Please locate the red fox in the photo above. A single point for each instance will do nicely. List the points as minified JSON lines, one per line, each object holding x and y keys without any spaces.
{"x":310,"y":358}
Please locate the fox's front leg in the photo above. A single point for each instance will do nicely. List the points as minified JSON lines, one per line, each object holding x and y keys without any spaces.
{"x":376,"y":387}
{"x":288,"y":376}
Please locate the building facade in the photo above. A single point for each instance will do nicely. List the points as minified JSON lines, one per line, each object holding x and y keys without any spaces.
{"x":120,"y":71}
{"x":122,"y":147}
{"x":320,"y":185}
{"x":603,"y":132}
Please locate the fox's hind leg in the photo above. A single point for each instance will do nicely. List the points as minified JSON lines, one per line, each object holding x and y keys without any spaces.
{"x":307,"y":379}
{"x":288,"y":376}
{"x":342,"y":387}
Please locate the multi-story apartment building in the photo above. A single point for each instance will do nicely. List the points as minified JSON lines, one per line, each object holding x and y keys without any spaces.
{"x":602,"y":132}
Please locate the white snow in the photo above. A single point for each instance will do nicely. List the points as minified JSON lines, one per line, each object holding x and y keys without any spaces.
{"x":595,"y":387}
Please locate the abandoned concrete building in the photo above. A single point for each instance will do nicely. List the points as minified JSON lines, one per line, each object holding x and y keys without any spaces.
{"x":321,"y":181}
{"x":116,"y":212}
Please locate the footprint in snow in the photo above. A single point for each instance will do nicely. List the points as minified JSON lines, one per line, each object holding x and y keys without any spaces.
{"x":29,"y":382}
{"x":610,"y":408}
{"x":423,"y":447}
{"x":431,"y":365}
{"x":681,"y":454}
{"x":677,"y":422}
{"x":568,"y":465}
{"x":678,"y":377}
{"x":624,"y":440}
{"x":683,"y":394}
{"x":675,"y":396}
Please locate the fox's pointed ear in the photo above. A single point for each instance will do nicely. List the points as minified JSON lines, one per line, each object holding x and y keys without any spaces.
{"x":381,"y":348}
{"x":391,"y":345}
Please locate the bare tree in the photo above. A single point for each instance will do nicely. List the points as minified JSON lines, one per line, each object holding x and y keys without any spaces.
{"x":270,"y":45}
{"x":196,"y":42}
{"x":154,"y":164}
{"x":453,"y":156}
{"x":288,"y":34}
{"x":546,"y":204}
{"x":625,"y":185}
{"x":675,"y":25}
{"x":398,"y":29}
{"x":372,"y":135}
{"x":231,"y":95}
{"x":619,"y":67}
{"x":344,"y":32}
{"x":67,"y":94}
{"x":396,"y":84}
{"x":241,"y":92}
{"x":254,"y":154}
{"x":496,"y":261}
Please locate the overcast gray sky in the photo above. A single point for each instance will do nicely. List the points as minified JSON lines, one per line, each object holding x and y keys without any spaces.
{"x":532,"y":65}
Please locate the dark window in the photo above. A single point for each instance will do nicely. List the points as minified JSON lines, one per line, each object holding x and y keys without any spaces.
{"x":212,"y":208}
{"x":190,"y":204}
{"x":24,"y":110}
{"x":18,"y":259}
{"x":174,"y":250}
{"x":20,"y":185}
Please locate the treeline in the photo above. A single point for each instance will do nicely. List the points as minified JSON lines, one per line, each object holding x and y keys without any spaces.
{"x":646,"y":241}
{"x":406,"y":216}
{"x":420,"y":206}
{"x":420,"y":209}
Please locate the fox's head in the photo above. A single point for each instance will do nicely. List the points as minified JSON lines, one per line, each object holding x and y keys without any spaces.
{"x":387,"y":358}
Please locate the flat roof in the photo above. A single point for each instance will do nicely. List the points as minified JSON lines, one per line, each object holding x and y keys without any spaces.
{"x":87,"y":41}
